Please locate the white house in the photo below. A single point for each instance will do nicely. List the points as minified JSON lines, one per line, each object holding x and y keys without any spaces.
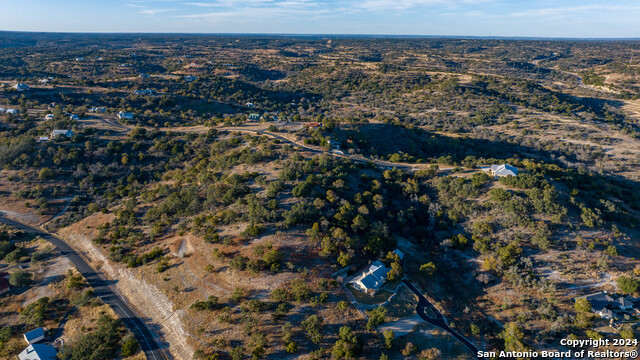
{"x":21,"y":87}
{"x":48,"y":117}
{"x":74,"y":117}
{"x":502,"y":170}
{"x":372,"y":279}
{"x":38,"y":352}
{"x":12,"y":111}
{"x":334,"y":144}
{"x":34,"y":336}
{"x":190,"y":78}
{"x":67,"y":133}
{"x":125,"y":116}
{"x":145,"y":92}
{"x":98,"y":110}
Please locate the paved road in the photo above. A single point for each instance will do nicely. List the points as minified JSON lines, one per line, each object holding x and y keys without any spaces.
{"x":439,"y":319}
{"x":311,"y":149}
{"x":354,"y":158}
{"x":104,"y":290}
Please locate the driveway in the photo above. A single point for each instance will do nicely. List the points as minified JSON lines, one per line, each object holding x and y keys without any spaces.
{"x":439,"y":319}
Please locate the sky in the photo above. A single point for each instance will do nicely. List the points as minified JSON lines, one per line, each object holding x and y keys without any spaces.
{"x":522,"y":18}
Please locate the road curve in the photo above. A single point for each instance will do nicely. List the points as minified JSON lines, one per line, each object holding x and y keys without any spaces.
{"x":311,"y":149}
{"x":439,"y":319}
{"x":104,"y":290}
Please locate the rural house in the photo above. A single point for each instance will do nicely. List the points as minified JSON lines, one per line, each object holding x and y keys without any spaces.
{"x":502,"y":170}
{"x":372,"y":279}
{"x":21,"y":87}
{"x":67,"y":133}
{"x":38,"y":352}
{"x":145,"y":92}
{"x":125,"y":116}
{"x":604,"y":304}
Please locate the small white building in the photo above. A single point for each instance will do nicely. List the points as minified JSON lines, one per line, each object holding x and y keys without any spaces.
{"x":145,"y":92}
{"x":74,"y":117}
{"x":372,"y":279}
{"x":98,"y":110}
{"x":38,"y":352}
{"x":21,"y":87}
{"x":49,"y":117}
{"x":67,"y":133}
{"x":190,"y":78}
{"x":12,"y":111}
{"x":125,"y":115}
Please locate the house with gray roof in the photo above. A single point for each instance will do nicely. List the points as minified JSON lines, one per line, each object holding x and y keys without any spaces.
{"x":67,"y":133}
{"x":605,"y":305}
{"x":125,"y":115}
{"x":624,"y":303}
{"x":21,"y":87}
{"x":502,"y":170}
{"x":372,"y":279}
{"x":145,"y":92}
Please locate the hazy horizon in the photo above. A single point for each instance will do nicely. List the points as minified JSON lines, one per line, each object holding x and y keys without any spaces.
{"x":438,"y":18}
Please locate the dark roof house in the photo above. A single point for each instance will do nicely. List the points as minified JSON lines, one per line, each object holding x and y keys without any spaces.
{"x":34,"y":336}
{"x":602,"y":303}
